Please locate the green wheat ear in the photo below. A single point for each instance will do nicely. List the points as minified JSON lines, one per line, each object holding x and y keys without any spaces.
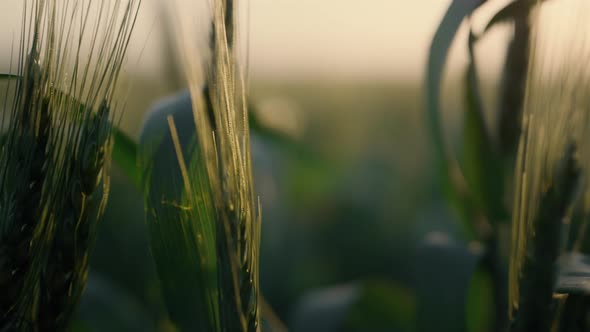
{"x":54,"y":161}
{"x":201,"y":208}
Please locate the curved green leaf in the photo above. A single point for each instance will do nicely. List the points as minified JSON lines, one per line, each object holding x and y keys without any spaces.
{"x":447,"y":165}
{"x":509,"y":12}
{"x":482,"y":165}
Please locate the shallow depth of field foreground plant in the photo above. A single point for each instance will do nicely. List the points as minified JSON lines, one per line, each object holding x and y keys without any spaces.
{"x":345,"y":246}
{"x":203,"y":216}
{"x":551,"y":175}
{"x":544,"y":101}
{"x":55,"y":155}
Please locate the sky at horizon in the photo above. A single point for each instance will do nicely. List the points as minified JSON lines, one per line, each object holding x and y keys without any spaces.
{"x":298,"y":39}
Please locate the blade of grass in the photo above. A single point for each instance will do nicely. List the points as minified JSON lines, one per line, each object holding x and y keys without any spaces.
{"x":482,"y":167}
{"x":452,"y":182}
{"x":510,"y":12}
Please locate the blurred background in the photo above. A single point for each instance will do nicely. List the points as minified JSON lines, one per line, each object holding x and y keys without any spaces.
{"x":348,"y":206}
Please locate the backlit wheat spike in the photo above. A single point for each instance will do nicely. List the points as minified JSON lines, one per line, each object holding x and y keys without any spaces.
{"x":24,"y":171}
{"x":556,"y":129}
{"x":239,"y":224}
{"x":223,"y":139}
{"x":54,"y":180}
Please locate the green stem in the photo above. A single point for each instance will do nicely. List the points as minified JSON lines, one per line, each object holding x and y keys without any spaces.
{"x":498,"y":273}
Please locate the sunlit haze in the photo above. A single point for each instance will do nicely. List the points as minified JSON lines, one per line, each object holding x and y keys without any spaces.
{"x":308,"y":38}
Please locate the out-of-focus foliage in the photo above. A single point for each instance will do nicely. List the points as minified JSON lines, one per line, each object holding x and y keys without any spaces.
{"x":357,"y":235}
{"x":444,"y":301}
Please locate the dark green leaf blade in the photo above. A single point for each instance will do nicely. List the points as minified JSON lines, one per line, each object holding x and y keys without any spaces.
{"x":481,"y":163}
{"x":447,"y":166}
{"x":509,"y":12}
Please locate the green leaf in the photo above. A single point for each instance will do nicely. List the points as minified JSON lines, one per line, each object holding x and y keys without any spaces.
{"x":482,"y":165}
{"x":449,"y":171}
{"x":125,"y":155}
{"x":480,"y":303}
{"x":509,"y":12}
{"x":182,"y":226}
{"x":444,"y":270}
